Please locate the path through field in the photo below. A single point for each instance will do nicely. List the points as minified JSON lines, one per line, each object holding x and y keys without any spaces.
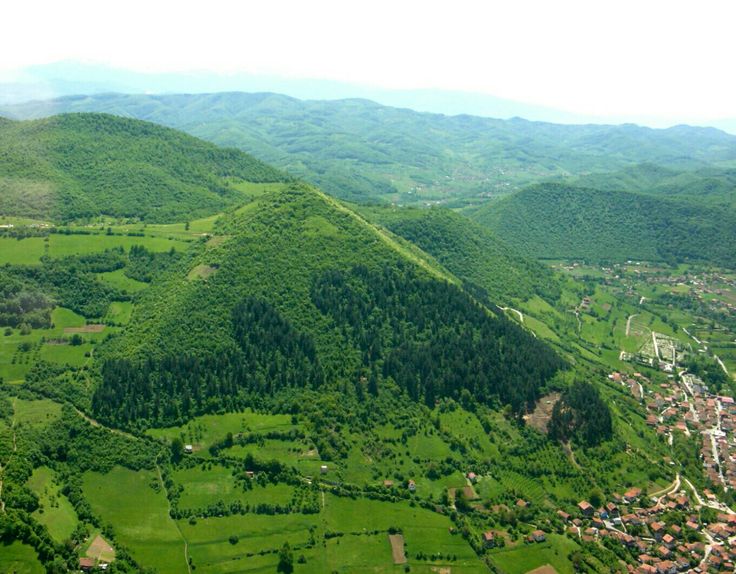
{"x":168,"y":502}
{"x":628,"y":323}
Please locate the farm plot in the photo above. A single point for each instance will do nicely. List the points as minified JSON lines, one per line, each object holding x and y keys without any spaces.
{"x":204,"y":431}
{"x":55,"y":511}
{"x":525,"y":557}
{"x":206,"y":486}
{"x":140,"y":515}
{"x":229,"y":544}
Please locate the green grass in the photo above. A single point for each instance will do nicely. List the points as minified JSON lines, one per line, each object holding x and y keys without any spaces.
{"x":207,"y":429}
{"x":30,"y":250}
{"x":35,"y":413}
{"x":305,"y":460}
{"x":14,"y":364}
{"x":212,"y":552}
{"x":55,"y":512}
{"x":139,"y":515}
{"x":120,"y":280}
{"x":203,"y":487}
{"x":18,"y":558}
{"x":72,"y":355}
{"x":525,"y":557}
{"x":119,"y":312}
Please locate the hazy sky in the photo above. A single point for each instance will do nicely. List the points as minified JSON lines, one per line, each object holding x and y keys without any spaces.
{"x":598,"y":57}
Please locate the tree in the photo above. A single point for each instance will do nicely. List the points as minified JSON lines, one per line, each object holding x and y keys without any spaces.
{"x":177,"y":449}
{"x":286,"y":560}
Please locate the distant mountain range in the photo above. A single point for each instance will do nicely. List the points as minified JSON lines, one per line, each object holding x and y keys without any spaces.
{"x":73,"y":78}
{"x":363,"y":151}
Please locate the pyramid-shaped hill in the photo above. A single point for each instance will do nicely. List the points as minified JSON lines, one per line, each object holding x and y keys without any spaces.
{"x":294,"y":290}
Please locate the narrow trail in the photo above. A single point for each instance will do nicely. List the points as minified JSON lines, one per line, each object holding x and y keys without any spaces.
{"x":628,"y":323}
{"x":518,"y":313}
{"x":181,"y":534}
{"x":96,"y":423}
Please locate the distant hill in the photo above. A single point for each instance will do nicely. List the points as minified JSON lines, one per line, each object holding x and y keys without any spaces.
{"x":363,"y":151}
{"x":712,"y":185}
{"x":296,"y":291}
{"x":560,"y":221}
{"x":470,"y":251}
{"x":77,"y":166}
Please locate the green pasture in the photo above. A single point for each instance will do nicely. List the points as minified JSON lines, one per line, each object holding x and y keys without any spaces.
{"x":29,"y":251}
{"x":120,"y":280}
{"x":55,"y":511}
{"x":205,"y":486}
{"x":524,"y":557}
{"x":139,"y":515}
{"x":203,"y":431}
{"x":19,"y":558}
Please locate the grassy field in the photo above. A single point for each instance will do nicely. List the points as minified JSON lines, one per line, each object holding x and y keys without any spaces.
{"x":35,"y":413}
{"x":205,"y":486}
{"x":55,"y":512}
{"x":140,"y":516}
{"x":15,"y":361}
{"x":203,"y":431}
{"x":119,"y":312}
{"x":522,"y":558}
{"x":18,"y":558}
{"x":120,"y":280}
{"x":212,"y":551}
{"x":30,"y":250}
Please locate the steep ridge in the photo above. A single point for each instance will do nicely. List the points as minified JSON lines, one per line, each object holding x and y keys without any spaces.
{"x":470,"y":251}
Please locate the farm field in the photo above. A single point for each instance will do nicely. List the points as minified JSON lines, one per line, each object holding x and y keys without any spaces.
{"x":205,"y":486}
{"x":19,"y":352}
{"x":18,"y":558}
{"x":140,"y":514}
{"x":55,"y":512}
{"x":525,"y":557}
{"x":120,"y":280}
{"x":203,"y":431}
{"x":29,"y":251}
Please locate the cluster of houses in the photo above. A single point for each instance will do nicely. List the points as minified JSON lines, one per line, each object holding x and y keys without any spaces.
{"x":660,"y":544}
{"x":688,"y":407}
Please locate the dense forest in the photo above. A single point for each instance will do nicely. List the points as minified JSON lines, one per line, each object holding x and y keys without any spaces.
{"x":304,"y":293}
{"x":470,"y":251}
{"x":581,"y":415}
{"x":562,"y":222}
{"x":710,"y":185}
{"x":80,"y":166}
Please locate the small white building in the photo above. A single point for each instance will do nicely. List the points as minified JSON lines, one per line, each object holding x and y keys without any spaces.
{"x":188,"y":449}
{"x":323,"y":469}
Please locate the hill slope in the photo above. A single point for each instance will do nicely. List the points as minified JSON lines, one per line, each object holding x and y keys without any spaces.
{"x":470,"y":251}
{"x":558,"y":221}
{"x":360,"y":150}
{"x":84,"y":165}
{"x":298,"y":291}
{"x":713,"y":186}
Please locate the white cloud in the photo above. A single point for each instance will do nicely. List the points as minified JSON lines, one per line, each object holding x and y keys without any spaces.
{"x":653,"y":57}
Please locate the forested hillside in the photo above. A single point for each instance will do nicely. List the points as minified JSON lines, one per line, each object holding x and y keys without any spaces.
{"x":470,"y":251}
{"x":716,"y":187}
{"x":85,"y":165}
{"x":564,"y":222}
{"x":363,"y":151}
{"x":300,"y":292}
